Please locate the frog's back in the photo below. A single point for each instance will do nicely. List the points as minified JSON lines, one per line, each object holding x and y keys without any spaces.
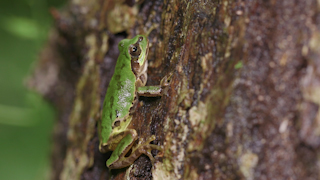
{"x":119,"y":97}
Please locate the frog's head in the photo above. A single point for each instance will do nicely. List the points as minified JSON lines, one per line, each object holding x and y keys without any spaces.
{"x":136,"y":50}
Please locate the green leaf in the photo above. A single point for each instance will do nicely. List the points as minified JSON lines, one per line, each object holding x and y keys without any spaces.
{"x":22,"y":27}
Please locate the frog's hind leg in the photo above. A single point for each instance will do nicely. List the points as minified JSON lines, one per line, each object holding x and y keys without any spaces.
{"x":123,"y":144}
{"x":116,"y":139}
{"x":142,"y":147}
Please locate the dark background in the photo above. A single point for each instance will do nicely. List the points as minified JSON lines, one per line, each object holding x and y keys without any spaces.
{"x":26,"y":120}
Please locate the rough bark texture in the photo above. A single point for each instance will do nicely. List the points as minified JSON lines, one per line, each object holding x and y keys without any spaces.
{"x":243,"y":102}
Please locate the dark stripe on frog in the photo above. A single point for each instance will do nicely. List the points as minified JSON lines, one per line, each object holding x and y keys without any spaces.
{"x":135,"y":66}
{"x":133,"y":156}
{"x":111,"y":104}
{"x":123,"y":66}
{"x":117,"y":77}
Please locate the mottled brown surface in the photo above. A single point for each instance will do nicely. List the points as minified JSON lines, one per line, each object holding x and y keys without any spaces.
{"x":243,"y":102}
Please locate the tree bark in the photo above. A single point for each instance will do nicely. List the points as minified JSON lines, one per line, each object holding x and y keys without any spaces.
{"x":243,"y":102}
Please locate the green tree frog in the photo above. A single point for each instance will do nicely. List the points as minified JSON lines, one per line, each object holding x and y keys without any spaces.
{"x":127,"y":83}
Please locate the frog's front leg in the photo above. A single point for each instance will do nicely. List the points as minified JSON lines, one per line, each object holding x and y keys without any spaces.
{"x":121,"y":159}
{"x":153,"y":91}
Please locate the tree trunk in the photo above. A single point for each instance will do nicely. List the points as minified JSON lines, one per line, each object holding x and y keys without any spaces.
{"x":243,"y":102}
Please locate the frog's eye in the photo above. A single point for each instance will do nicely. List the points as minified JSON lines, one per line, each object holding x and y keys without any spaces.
{"x":134,"y":50}
{"x":140,"y":39}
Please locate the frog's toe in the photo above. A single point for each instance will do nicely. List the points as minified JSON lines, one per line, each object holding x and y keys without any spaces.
{"x":149,"y":154}
{"x":157,"y":147}
{"x":151,"y":138}
{"x":166,"y":80}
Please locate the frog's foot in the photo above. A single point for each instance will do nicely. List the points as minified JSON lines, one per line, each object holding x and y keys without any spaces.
{"x":144,"y":147}
{"x":165,"y":81}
